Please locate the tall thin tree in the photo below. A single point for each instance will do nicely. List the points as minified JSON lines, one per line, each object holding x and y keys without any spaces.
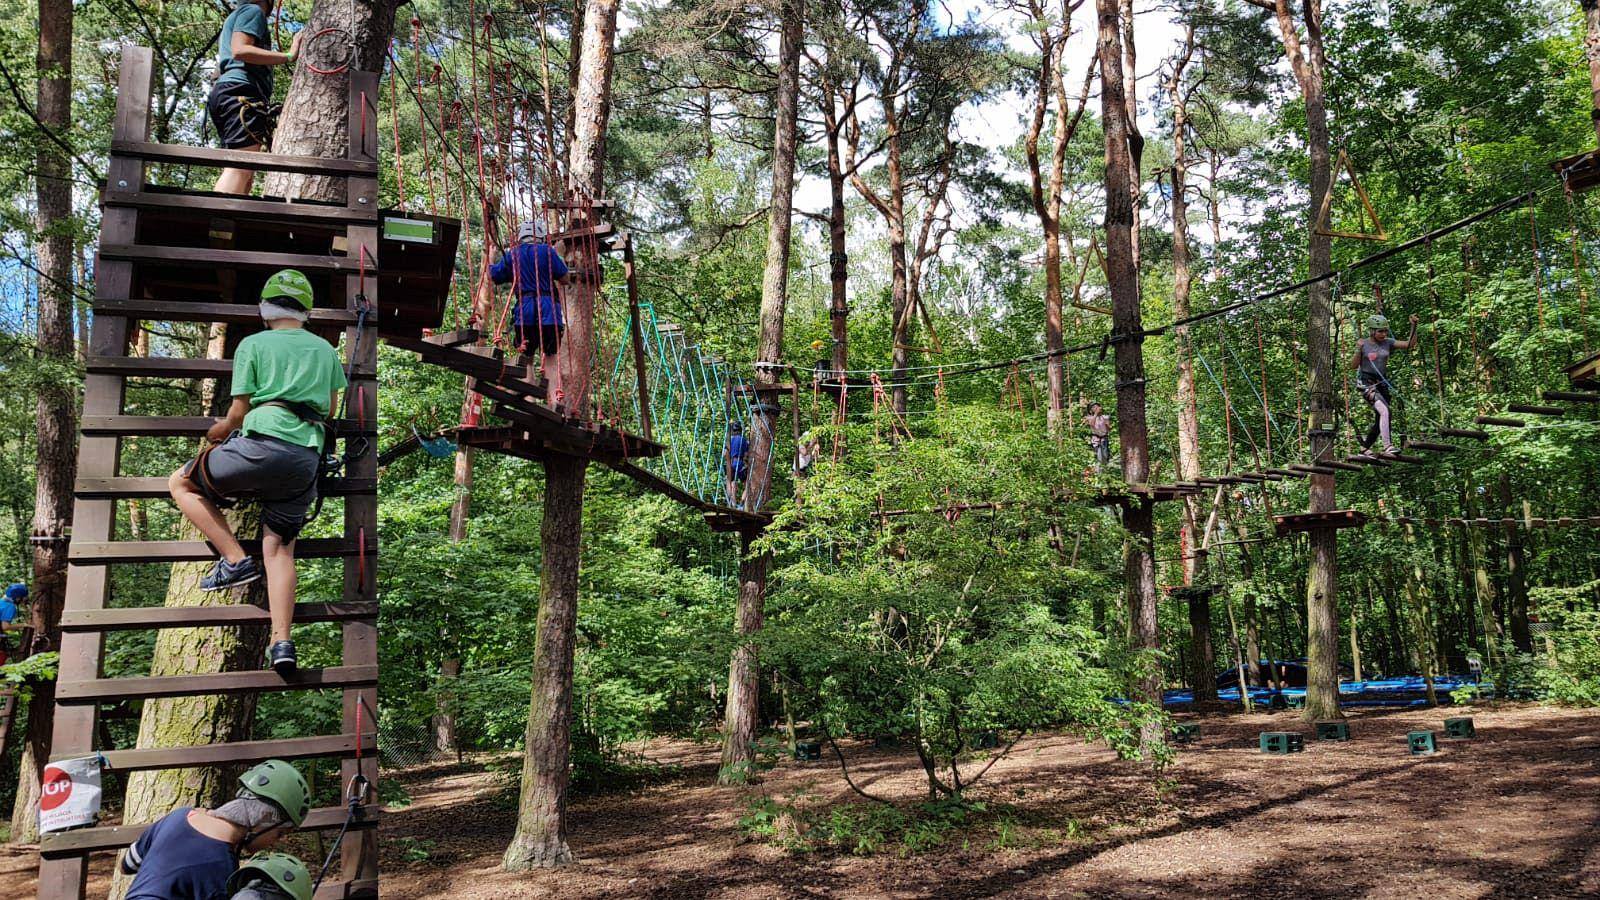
{"x":55,"y":411}
{"x":1127,"y":327}
{"x":744,"y":675}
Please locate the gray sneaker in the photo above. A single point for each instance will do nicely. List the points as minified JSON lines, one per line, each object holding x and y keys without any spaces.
{"x":226,"y":576}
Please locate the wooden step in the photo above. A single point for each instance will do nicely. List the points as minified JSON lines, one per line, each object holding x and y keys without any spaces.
{"x":1367,"y":459}
{"x":1501,"y":421}
{"x":483,"y":363}
{"x":183,"y":426}
{"x":242,"y":752}
{"x":1336,"y":464}
{"x":197,"y":311}
{"x":1570,"y":396}
{"x":335,"y":217}
{"x":111,"y":690}
{"x":1535,"y":409}
{"x":101,"y":553}
{"x":150,"y":617}
{"x":1469,"y":433}
{"x":115,"y":837}
{"x":205,"y":257}
{"x":454,"y":338}
{"x":178,"y":367}
{"x":143,"y":488}
{"x":1432,"y":446}
{"x":211,"y":157}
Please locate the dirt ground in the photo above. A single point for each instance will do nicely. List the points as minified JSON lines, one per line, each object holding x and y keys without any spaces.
{"x":1513,"y":813}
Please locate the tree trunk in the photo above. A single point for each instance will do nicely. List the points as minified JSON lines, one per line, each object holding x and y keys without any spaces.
{"x":1591,"y":46}
{"x":744,"y":673}
{"x":838,"y":259}
{"x":444,"y":716}
{"x":541,"y":836}
{"x":1135,"y":139}
{"x":55,"y":411}
{"x":1132,"y":431}
{"x":742,"y":718}
{"x":1322,"y":579}
{"x":1516,"y":574}
{"x":316,"y":111}
{"x":1046,"y":192}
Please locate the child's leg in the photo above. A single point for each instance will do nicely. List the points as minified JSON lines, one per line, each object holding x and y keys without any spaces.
{"x":1381,"y":405}
{"x":282,"y":581}
{"x":205,"y":516}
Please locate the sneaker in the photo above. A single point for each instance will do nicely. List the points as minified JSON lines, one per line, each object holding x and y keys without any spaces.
{"x":1390,"y":450}
{"x":281,"y":656}
{"x":226,"y":575}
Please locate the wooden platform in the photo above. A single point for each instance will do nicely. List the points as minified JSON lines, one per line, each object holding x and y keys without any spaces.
{"x":1580,"y":171}
{"x":1585,"y":373}
{"x":1297,"y":522}
{"x":173,"y":256}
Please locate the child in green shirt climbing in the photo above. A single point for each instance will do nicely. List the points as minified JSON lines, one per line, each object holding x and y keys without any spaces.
{"x":268,"y":447}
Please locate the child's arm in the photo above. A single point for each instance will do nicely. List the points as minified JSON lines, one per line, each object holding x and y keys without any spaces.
{"x":1411,"y":341}
{"x":231,"y":422}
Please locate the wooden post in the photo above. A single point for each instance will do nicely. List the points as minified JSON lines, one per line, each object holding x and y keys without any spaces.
{"x":88,"y":586}
{"x":637,"y":336}
{"x":360,"y":637}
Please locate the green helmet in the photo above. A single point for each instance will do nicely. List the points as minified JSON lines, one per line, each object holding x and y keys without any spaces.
{"x":282,"y":785}
{"x":1377,"y":323}
{"x":291,"y":283}
{"x":283,"y":870}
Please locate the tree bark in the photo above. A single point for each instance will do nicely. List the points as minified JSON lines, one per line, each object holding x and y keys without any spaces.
{"x":838,"y":257}
{"x":1126,"y":323}
{"x":541,"y":835}
{"x":1322,"y":578}
{"x":1591,"y":47}
{"x":1516,"y":574}
{"x":55,"y":411}
{"x":540,"y":840}
{"x":744,"y":674}
{"x":316,"y":111}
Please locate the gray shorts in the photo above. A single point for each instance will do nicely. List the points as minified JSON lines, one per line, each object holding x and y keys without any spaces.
{"x":280,"y":475}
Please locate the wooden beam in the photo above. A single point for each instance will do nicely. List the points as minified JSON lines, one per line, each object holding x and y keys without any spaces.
{"x":102,"y":553}
{"x":141,"y":618}
{"x":176,"y":367}
{"x":241,"y":752}
{"x":148,"y":488}
{"x":197,"y":311}
{"x":204,"y":205}
{"x":182,"y":154}
{"x":206,"y":257}
{"x":110,"y":690}
{"x":83,"y":841}
{"x":185,"y":426}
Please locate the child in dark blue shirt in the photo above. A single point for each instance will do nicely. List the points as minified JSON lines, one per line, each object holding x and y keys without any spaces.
{"x":533,"y":269}
{"x":738,"y":466}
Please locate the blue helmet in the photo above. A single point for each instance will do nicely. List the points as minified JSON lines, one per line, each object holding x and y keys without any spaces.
{"x":16,"y":592}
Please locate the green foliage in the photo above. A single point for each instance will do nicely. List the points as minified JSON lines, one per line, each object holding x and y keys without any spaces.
{"x":872,"y":829}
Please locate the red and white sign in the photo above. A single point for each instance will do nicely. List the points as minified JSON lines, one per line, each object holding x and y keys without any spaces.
{"x":70,"y":794}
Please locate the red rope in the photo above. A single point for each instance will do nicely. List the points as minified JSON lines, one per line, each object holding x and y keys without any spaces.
{"x":394,"y":119}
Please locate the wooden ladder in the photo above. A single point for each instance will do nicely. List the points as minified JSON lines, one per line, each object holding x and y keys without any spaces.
{"x":135,"y":282}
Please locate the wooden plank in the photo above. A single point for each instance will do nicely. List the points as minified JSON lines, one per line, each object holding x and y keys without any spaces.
{"x":1469,"y":433}
{"x":481,"y":363}
{"x":453,"y":338}
{"x":176,"y":367}
{"x":241,"y":752}
{"x":212,"y":157}
{"x":198,"y":311}
{"x":1406,"y":458}
{"x":1535,"y":409}
{"x":115,"y":837}
{"x":110,"y":690}
{"x":101,"y":553}
{"x":1432,"y":446}
{"x":1336,"y":464}
{"x":184,"y":426}
{"x":234,"y":259}
{"x":149,"y":617}
{"x":1570,"y":396}
{"x":142,"y":487}
{"x":1501,"y":421}
{"x":204,"y":205}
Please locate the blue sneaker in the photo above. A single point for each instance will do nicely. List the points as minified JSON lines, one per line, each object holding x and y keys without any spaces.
{"x":226,"y":576}
{"x":281,"y":657}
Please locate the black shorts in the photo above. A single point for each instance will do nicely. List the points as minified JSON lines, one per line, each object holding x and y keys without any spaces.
{"x":549,"y":337}
{"x":242,"y":117}
{"x":281,"y":476}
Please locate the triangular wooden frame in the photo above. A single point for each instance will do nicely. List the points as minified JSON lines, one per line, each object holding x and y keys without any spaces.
{"x":1379,"y":234}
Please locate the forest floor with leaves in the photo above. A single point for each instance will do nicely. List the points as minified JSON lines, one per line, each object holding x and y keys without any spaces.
{"x":1512,"y":813}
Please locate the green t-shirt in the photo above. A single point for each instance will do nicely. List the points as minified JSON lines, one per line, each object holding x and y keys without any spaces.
{"x":286,"y":364}
{"x":248,"y":18}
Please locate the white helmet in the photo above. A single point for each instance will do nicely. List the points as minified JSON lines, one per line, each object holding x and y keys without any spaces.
{"x":532,"y":230}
